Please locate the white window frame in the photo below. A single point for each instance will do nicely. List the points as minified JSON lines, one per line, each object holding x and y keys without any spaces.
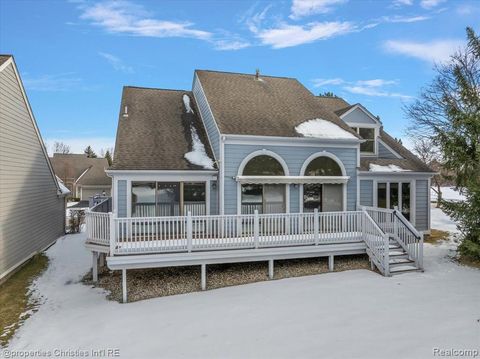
{"x":376,"y":129}
{"x":412,"y":195}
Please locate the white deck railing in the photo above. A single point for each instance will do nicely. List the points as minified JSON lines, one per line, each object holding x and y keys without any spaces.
{"x":139,"y":235}
{"x":393,"y":223}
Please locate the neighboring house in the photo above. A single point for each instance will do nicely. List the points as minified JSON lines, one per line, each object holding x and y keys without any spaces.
{"x":259,"y":162}
{"x":84,"y":176}
{"x":32,"y":202}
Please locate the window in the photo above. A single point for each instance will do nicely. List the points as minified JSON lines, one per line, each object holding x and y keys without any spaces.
{"x":151,"y":199}
{"x":393,"y":194}
{"x":265,"y":198}
{"x":263,"y":166}
{"x":367,"y":134}
{"x":143,"y":199}
{"x":323,"y":166}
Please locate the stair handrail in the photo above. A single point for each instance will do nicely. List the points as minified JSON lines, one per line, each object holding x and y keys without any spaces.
{"x":405,"y":221}
{"x":414,"y":250}
{"x":381,"y":260}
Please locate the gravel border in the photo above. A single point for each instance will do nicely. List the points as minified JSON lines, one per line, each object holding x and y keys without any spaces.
{"x":159,"y":282}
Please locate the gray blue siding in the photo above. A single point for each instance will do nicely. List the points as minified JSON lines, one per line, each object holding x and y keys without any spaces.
{"x":207,"y":117}
{"x":122,"y":198}
{"x":358,"y":116}
{"x":294,"y":157}
{"x":366,"y":193}
{"x":32,"y":215}
{"x":384,"y":152}
{"x":421,"y":206}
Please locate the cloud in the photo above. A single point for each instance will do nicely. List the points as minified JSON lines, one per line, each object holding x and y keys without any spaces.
{"x":292,"y":35}
{"x":78,"y":144}
{"x":433,"y":51}
{"x":301,"y":8}
{"x":429,"y":4}
{"x":226,"y":45}
{"x":404,"y":19}
{"x":374,"y":91}
{"x":373,"y":87}
{"x":53,"y":83}
{"x":124,"y":17}
{"x":116,"y":63}
{"x":400,"y":3}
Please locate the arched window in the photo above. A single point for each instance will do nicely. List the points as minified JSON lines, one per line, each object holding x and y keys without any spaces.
{"x":265,"y":198}
{"x":323,"y":196}
{"x":263,"y":165}
{"x":323,"y":166}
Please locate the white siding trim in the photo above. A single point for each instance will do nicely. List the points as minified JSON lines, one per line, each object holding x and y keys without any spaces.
{"x":221,"y":182}
{"x":291,"y":141}
{"x":364,"y":110}
{"x":263,"y":152}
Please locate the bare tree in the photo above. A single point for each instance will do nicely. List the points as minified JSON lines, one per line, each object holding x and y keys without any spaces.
{"x":60,"y":147}
{"x":425,"y":149}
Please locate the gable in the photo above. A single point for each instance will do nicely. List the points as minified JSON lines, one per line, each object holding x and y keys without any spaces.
{"x":358,"y":116}
{"x":23,"y":152}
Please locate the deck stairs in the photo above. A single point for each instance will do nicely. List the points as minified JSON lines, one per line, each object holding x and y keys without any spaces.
{"x":399,"y":259}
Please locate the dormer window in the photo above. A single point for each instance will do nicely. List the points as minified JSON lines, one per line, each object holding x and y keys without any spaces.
{"x":367,"y":134}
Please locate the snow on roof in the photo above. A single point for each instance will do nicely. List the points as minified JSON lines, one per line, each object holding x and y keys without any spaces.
{"x":63,"y":188}
{"x":198,"y":156}
{"x":320,"y":128}
{"x":186,"y":102}
{"x":390,"y":168}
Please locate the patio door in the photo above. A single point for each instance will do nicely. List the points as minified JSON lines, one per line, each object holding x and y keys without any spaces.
{"x":274,"y":198}
{"x":324,"y":197}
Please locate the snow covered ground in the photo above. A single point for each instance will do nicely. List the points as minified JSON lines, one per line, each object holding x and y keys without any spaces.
{"x":448,"y":193}
{"x":353,"y":314}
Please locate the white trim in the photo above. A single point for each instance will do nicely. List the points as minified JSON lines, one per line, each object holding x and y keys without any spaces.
{"x":413,"y":201}
{"x":292,"y":179}
{"x":32,"y":118}
{"x":364,"y":109}
{"x":322,"y":154}
{"x":389,"y":175}
{"x":429,"y":221}
{"x":164,"y":176}
{"x":395,"y":153}
{"x":263,"y":152}
{"x":221,"y":182}
{"x":400,"y":199}
{"x":196,"y":79}
{"x":342,"y":168}
{"x":160,"y":172}
{"x":207,"y":197}
{"x":292,"y":141}
{"x":82,"y":174}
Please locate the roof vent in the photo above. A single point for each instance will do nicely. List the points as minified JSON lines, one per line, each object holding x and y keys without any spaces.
{"x":257,"y":74}
{"x":125,"y":112}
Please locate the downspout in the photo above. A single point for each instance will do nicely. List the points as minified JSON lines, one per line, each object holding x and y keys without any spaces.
{"x":221,"y":182}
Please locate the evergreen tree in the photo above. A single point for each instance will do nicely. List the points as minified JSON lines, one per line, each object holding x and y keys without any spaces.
{"x":108,"y":156}
{"x":448,"y":112}
{"x":328,"y":94}
{"x":89,"y":152}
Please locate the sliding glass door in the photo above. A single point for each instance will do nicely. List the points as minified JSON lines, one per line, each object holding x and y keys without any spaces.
{"x":159,"y":199}
{"x":395,"y":194}
{"x":265,"y":198}
{"x":324,"y":197}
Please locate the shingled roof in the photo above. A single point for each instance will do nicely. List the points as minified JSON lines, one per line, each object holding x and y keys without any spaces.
{"x":156,"y":133}
{"x":91,"y":171}
{"x":4,"y":58}
{"x":409,"y":161}
{"x":267,"y":106}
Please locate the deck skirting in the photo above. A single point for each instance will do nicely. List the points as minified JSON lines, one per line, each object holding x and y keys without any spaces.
{"x":143,"y":261}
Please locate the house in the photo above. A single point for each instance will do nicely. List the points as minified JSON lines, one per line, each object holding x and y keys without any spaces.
{"x":32,"y":202}
{"x":83,"y":176}
{"x":258,"y":163}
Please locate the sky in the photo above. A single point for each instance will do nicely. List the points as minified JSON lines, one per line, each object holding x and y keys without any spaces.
{"x":75,"y":56}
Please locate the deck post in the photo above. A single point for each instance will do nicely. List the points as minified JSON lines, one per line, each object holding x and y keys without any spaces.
{"x":189,"y":231}
{"x":372,"y":265}
{"x":270,"y":269}
{"x":95,"y":266}
{"x":111,"y":216}
{"x":386,"y":256}
{"x":316,"y":229}
{"x":330,"y":263}
{"x":124,"y":285}
{"x":204,"y":276}
{"x":256,"y":228}
{"x":101,"y":260}
{"x":420,"y":253}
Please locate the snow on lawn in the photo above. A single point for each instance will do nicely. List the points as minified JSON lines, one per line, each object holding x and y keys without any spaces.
{"x":198,"y":156}
{"x":322,"y":129}
{"x":442,"y":221}
{"x":353,"y":314}
{"x":448,"y":193}
{"x":390,"y":168}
